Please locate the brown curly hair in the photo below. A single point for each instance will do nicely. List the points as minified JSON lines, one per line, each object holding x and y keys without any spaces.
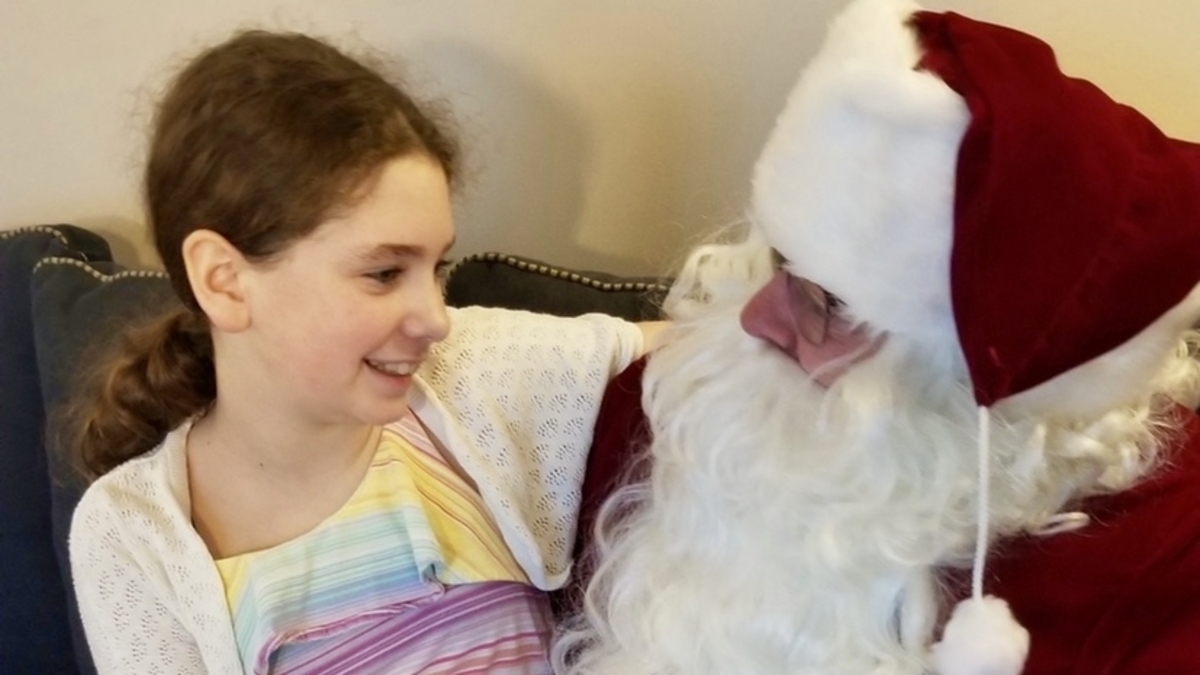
{"x":258,"y":139}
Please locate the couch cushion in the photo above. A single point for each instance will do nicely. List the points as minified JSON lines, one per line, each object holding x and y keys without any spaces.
{"x":35,"y":632}
{"x":499,"y":280}
{"x":79,"y":310}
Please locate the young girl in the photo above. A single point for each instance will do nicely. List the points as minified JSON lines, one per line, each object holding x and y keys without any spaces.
{"x":313,"y":465}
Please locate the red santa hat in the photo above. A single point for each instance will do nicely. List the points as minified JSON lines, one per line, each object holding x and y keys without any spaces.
{"x":942,"y":177}
{"x":946,"y":181}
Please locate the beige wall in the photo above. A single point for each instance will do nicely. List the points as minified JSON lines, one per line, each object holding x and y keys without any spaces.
{"x":602,"y":134}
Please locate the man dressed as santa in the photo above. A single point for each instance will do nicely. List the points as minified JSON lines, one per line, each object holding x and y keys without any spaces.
{"x":930,"y":411}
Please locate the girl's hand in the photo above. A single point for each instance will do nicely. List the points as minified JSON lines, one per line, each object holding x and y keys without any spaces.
{"x":650,"y":334}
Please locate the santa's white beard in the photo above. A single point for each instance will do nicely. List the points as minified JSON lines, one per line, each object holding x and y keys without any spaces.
{"x":791,"y":529}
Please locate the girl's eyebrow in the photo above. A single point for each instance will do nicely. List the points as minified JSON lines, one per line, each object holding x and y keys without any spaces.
{"x":392,"y":251}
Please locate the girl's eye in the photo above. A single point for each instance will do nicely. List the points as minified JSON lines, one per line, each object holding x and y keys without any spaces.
{"x":389,"y":275}
{"x":385,"y":276}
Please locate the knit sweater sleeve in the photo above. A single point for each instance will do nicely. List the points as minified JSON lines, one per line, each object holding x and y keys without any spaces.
{"x":129,"y":625}
{"x":518,"y":394}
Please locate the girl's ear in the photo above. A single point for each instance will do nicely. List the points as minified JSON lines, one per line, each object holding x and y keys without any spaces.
{"x":215,"y":269}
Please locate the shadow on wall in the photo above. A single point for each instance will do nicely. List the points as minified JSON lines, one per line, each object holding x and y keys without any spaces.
{"x":541,"y":180}
{"x":524,"y":152}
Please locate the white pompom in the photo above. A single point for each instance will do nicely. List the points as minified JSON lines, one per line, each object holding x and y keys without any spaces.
{"x":982,"y":638}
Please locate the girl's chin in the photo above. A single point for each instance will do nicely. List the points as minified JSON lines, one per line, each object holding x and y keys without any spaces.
{"x":381,"y":408}
{"x":382,"y":414}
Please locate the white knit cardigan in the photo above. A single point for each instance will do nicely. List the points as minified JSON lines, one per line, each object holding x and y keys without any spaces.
{"x":512,"y":395}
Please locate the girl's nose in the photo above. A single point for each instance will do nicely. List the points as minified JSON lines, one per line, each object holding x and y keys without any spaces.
{"x":427,"y":317}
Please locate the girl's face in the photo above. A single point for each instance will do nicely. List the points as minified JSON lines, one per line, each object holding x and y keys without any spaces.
{"x":344,"y":316}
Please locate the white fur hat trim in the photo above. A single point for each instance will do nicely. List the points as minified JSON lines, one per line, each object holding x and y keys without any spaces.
{"x":861,"y":167}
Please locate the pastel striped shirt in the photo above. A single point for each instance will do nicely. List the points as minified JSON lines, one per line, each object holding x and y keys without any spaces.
{"x":410,"y":576}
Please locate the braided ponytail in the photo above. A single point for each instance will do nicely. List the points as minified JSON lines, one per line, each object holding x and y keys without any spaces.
{"x":160,"y":375}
